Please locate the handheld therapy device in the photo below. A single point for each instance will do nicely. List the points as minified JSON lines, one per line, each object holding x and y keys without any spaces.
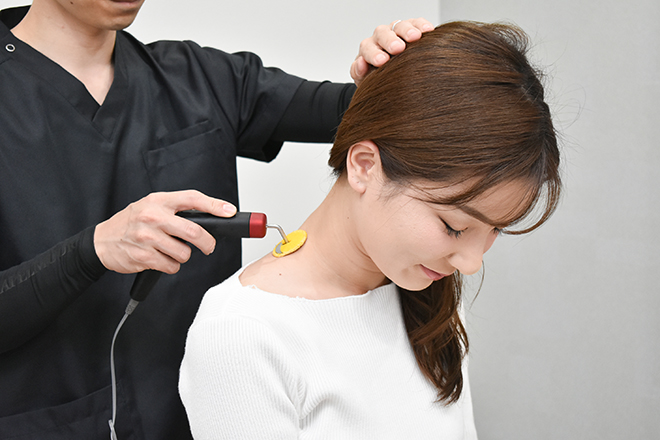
{"x":244,"y":225}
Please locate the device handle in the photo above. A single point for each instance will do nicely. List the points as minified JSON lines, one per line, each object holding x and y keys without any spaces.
{"x":144,"y":282}
{"x":243,"y":224}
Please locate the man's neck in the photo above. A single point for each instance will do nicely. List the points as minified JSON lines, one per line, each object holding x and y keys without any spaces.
{"x":84,"y":52}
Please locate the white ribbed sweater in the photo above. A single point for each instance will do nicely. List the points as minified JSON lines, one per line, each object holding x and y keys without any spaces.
{"x":264,"y":366}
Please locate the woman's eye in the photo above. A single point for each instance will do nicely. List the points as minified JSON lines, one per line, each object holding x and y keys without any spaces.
{"x":451,"y":231}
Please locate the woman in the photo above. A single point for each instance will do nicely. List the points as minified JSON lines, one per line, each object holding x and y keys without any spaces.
{"x":358,"y":334}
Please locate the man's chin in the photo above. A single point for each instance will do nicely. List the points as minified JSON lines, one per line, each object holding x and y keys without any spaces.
{"x":121,"y":24}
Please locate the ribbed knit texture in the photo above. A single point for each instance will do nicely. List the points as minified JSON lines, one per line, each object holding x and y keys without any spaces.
{"x":265,"y":366}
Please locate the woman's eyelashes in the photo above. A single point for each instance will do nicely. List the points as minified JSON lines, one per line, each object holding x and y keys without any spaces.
{"x":451,"y":231}
{"x":455,"y":233}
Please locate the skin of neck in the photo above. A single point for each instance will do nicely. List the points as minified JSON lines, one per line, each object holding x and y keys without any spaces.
{"x":331,"y":264}
{"x":76,"y":39}
{"x":335,"y":248}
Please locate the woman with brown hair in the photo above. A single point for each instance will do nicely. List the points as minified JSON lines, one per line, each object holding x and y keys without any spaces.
{"x":358,"y":334}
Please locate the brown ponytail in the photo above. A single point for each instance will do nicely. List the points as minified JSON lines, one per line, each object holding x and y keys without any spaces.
{"x":437,"y":334}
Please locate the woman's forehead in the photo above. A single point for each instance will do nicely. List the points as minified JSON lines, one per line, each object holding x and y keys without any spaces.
{"x":498,"y":206}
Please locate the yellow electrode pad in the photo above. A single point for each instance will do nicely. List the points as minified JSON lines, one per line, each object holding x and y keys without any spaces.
{"x":295,"y":240}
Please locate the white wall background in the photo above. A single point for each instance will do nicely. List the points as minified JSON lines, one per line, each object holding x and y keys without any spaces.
{"x":565,"y":332}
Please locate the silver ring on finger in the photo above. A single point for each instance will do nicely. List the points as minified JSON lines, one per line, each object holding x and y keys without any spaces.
{"x":395,"y":23}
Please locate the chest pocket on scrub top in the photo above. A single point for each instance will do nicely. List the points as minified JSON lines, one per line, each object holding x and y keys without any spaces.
{"x":199,"y":157}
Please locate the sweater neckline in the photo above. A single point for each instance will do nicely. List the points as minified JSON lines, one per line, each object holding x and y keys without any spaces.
{"x":386,"y":289}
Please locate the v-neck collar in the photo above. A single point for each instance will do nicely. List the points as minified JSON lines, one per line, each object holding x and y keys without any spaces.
{"x":103,"y":117}
{"x":107,"y":114}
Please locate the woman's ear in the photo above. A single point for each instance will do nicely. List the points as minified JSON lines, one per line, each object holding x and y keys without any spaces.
{"x":362,"y":165}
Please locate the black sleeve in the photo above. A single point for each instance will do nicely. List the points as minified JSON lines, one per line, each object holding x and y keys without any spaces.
{"x":314,"y":112}
{"x":33,"y":293}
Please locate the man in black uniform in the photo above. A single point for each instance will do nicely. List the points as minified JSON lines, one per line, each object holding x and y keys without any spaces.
{"x":102,"y":140}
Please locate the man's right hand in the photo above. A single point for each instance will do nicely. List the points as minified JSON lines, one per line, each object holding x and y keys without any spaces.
{"x":376,"y":50}
{"x":148,"y":234}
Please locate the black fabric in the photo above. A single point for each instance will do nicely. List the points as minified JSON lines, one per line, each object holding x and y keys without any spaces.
{"x":176,"y":117}
{"x":315,"y":112}
{"x":27,"y":304}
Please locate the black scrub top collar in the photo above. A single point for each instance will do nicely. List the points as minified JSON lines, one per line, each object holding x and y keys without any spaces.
{"x":10,"y":17}
{"x":103,"y":117}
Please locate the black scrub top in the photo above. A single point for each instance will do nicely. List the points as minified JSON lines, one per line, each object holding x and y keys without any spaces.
{"x":176,"y":117}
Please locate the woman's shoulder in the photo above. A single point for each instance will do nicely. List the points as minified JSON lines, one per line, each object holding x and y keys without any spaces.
{"x":231,"y":299}
{"x":280,"y":276}
{"x":238,"y":304}
{"x":263,"y":297}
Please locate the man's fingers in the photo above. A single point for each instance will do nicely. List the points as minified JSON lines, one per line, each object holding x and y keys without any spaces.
{"x":148,"y":235}
{"x":411,"y":30}
{"x":190,"y":232}
{"x":192,"y":199}
{"x":386,"y":40}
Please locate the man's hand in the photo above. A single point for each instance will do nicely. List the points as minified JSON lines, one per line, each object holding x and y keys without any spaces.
{"x":148,"y":235}
{"x":385,"y":41}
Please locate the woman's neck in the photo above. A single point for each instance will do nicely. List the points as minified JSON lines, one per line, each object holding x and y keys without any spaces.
{"x":332,"y":262}
{"x":83,"y":51}
{"x":337,"y":249}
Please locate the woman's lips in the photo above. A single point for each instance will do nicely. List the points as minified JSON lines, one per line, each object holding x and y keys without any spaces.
{"x":435,"y":276}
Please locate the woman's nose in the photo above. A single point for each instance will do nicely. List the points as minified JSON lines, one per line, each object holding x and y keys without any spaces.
{"x":467,"y":263}
{"x":469,"y":255}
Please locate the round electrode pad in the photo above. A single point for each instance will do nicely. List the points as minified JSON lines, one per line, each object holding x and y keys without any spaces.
{"x":296,"y":240}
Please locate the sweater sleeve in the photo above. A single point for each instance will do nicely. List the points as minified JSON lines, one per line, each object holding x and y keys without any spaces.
{"x":33,"y":293}
{"x":237,"y":382}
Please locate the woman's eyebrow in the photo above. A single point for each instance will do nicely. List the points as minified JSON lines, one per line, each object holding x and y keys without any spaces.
{"x":472,"y":212}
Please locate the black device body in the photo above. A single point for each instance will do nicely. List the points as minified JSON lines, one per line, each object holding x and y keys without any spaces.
{"x":243,"y":224}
